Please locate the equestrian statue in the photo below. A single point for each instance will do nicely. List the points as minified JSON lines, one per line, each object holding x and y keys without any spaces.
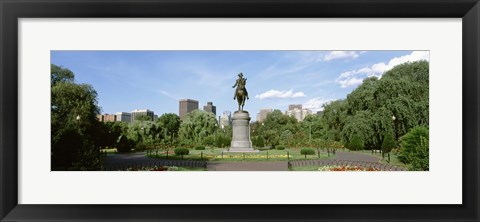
{"x":241,"y":94}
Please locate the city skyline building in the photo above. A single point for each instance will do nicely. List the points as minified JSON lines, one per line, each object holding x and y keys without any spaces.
{"x":139,"y":112}
{"x":297,"y":112}
{"x":106,"y":117}
{"x":210,"y":108}
{"x":262,"y":115}
{"x":186,"y":106}
{"x":225,"y":119}
{"x":293,"y":106}
{"x":123,"y":117}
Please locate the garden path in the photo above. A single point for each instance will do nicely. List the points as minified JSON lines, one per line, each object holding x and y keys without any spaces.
{"x":351,"y":156}
{"x":248,"y":166}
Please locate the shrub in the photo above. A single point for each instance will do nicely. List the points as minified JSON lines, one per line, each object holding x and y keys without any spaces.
{"x":280,"y":147}
{"x":414,"y":149}
{"x":260,"y":142}
{"x":356,"y":143}
{"x":123,"y":144}
{"x":200,"y":147}
{"x":181,"y":151}
{"x":307,"y":151}
{"x":388,"y":143}
{"x":209,"y":140}
{"x":140,"y":147}
{"x":223,"y":141}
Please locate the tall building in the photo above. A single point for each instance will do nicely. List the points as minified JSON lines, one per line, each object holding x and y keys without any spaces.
{"x":186,"y":106}
{"x":139,"y":112}
{"x":293,"y":106}
{"x":124,"y":117}
{"x":225,"y":119}
{"x":299,"y":114}
{"x":210,"y":108}
{"x":262,"y":115}
{"x":106,"y":117}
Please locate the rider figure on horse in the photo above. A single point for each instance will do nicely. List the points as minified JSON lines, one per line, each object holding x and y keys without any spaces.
{"x":240,"y":84}
{"x":241,"y":94}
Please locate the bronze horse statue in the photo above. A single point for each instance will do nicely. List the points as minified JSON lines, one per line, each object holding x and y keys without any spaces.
{"x":241,"y":94}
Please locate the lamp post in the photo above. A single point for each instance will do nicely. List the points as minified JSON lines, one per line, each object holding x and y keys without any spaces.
{"x":394,"y":128}
{"x":394,"y":134}
{"x":310,"y":139}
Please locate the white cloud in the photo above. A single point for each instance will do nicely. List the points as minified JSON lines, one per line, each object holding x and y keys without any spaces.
{"x":340,"y":55}
{"x":355,"y":77}
{"x":280,"y":94}
{"x":316,"y":104}
{"x":350,"y":82}
{"x":165,"y":93}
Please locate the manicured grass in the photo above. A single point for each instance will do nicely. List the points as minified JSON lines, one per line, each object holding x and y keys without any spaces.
{"x":219,"y":154}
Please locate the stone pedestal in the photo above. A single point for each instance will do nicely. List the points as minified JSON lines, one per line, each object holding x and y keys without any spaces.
{"x":241,"y":133}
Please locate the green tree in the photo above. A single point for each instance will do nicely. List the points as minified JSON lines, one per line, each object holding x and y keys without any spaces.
{"x":123,"y":144}
{"x":356,"y":143}
{"x":170,"y":123}
{"x":181,"y":151}
{"x":74,"y":124}
{"x":307,"y":151}
{"x":397,"y":102}
{"x":258,"y":141}
{"x":388,"y":144}
{"x":314,"y":127}
{"x":142,"y":118}
{"x":359,"y":125}
{"x":286,"y":138}
{"x":222,"y":140}
{"x":334,"y":115}
{"x":60,"y":74}
{"x":196,"y":126}
{"x":276,"y":123}
{"x":414,"y":149}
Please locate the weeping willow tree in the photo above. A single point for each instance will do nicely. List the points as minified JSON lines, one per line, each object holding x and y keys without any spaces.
{"x":395,"y":103}
{"x":197,"y":126}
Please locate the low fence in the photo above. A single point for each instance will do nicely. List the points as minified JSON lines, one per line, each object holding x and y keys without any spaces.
{"x":333,"y":162}
{"x":135,"y":165}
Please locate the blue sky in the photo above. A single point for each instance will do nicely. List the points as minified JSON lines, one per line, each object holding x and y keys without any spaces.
{"x":157,"y":80}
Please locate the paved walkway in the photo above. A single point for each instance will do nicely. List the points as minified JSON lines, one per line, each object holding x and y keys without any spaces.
{"x":125,"y":158}
{"x":131,"y":158}
{"x":351,"y":156}
{"x":248,"y":166}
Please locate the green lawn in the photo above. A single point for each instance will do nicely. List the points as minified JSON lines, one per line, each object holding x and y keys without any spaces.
{"x":219,"y":154}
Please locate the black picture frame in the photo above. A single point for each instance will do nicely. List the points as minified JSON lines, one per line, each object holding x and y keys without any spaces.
{"x":11,"y":11}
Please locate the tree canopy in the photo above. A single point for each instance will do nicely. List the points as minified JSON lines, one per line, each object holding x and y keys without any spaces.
{"x":73,"y":122}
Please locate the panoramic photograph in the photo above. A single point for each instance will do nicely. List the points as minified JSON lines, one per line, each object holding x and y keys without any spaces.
{"x":239,"y":110}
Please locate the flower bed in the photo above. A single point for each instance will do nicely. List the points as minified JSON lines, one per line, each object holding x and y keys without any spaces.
{"x":346,"y":168}
{"x":155,"y":168}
